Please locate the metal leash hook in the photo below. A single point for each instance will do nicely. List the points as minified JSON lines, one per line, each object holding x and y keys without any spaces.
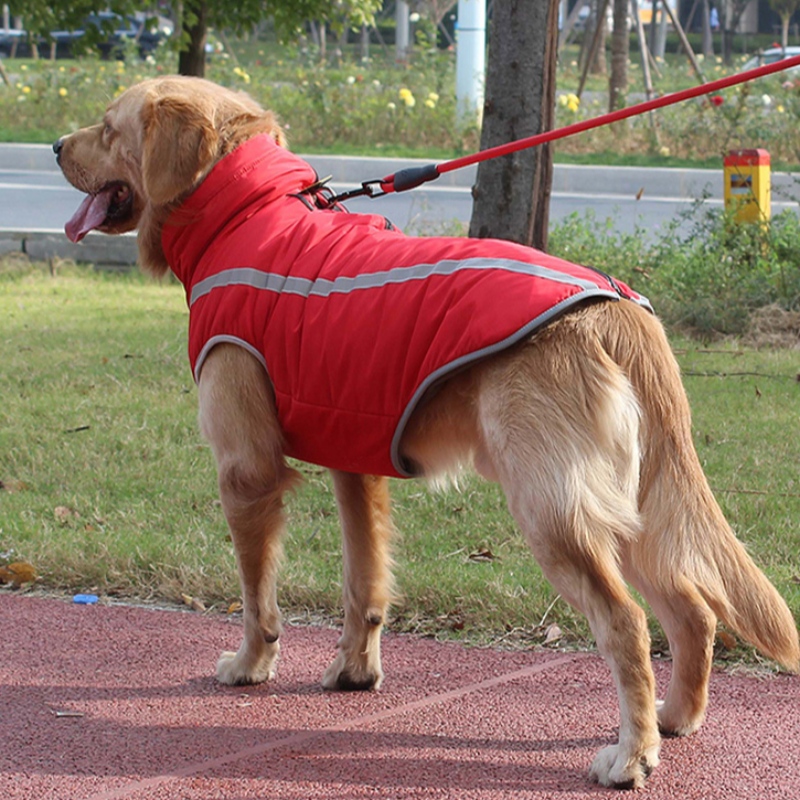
{"x":367,"y":190}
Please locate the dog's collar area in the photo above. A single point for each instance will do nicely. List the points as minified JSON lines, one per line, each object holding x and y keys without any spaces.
{"x":320,"y":196}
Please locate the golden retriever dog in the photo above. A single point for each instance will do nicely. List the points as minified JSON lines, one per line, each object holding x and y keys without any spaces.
{"x":583,"y":422}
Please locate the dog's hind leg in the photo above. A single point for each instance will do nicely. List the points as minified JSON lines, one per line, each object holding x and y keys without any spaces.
{"x":364,"y":512}
{"x":690,"y":626}
{"x":561,"y":432}
{"x":237,"y":417}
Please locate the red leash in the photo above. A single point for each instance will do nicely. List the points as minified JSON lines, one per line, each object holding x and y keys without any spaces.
{"x":409,"y":178}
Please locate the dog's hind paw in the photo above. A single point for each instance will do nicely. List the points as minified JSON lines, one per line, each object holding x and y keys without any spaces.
{"x":236,"y":669}
{"x":615,"y":769}
{"x":674,"y":722}
{"x":346,"y":677}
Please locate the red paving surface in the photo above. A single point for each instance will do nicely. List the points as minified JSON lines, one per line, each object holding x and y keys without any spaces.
{"x":145,"y":718}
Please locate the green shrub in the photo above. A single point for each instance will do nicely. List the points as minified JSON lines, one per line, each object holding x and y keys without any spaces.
{"x":705,"y":273}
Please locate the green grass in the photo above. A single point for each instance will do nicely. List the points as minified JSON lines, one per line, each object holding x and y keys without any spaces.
{"x":109,"y":487}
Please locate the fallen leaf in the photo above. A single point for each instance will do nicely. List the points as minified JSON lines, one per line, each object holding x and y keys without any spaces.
{"x":795,"y":579}
{"x":13,"y":485}
{"x":64,"y":514}
{"x":187,"y":599}
{"x":235,"y":607}
{"x":640,"y":193}
{"x":198,"y":605}
{"x":552,"y":634}
{"x":483,"y":554}
{"x":17,"y":573}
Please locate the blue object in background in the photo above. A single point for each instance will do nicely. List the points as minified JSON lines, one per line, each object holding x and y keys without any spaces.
{"x":85,"y":599}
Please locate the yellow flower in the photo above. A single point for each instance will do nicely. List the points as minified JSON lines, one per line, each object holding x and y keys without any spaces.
{"x":780,"y":109}
{"x":433,"y":96}
{"x":26,"y":89}
{"x":573,"y":102}
{"x":407,"y":97}
{"x":242,"y":74}
{"x":391,"y":106}
{"x":62,"y":92}
{"x":664,"y":151}
{"x":23,"y":67}
{"x":430,"y":104}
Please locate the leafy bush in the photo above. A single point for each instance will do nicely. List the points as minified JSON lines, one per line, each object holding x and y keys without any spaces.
{"x":705,"y":273}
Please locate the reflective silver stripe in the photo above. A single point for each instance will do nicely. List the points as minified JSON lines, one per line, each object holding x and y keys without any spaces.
{"x":272,"y":282}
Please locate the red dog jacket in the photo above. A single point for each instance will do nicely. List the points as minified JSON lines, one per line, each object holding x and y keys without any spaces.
{"x":353,"y":321}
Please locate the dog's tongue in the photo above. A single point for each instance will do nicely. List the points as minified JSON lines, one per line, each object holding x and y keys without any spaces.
{"x":91,"y":214}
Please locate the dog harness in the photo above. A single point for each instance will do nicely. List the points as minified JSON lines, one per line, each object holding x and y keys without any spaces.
{"x":353,"y":321}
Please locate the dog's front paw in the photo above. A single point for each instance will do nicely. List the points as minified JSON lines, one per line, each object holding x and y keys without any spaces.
{"x":344,"y":676}
{"x":618,"y":770}
{"x":235,"y":669}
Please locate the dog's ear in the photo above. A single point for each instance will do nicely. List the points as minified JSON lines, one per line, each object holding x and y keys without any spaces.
{"x":179,"y":147}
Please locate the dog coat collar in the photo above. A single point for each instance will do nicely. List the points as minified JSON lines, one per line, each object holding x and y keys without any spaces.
{"x":353,"y":321}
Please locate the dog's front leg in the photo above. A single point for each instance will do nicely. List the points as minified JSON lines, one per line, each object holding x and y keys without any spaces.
{"x":364,"y":512}
{"x":238,"y":418}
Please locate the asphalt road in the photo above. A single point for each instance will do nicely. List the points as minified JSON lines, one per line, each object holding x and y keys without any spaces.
{"x":35,"y":197}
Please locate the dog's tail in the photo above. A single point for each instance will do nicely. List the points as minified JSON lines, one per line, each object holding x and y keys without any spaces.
{"x":685,"y":535}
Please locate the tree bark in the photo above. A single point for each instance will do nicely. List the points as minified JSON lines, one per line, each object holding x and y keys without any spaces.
{"x":512,"y":193}
{"x":192,"y":58}
{"x":620,"y":46}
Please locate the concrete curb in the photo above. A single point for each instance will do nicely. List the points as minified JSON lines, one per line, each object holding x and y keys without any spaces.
{"x":96,"y":248}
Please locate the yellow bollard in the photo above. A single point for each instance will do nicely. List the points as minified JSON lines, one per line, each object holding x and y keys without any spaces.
{"x":747,"y":185}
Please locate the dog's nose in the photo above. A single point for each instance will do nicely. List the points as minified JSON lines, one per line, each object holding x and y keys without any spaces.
{"x":57,"y":146}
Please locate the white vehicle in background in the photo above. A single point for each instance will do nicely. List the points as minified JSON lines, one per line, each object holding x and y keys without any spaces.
{"x":770,"y":56}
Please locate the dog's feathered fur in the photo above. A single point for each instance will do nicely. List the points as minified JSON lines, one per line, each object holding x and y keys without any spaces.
{"x":586,"y":427}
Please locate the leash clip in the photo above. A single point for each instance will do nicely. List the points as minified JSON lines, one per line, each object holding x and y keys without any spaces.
{"x":368,"y":189}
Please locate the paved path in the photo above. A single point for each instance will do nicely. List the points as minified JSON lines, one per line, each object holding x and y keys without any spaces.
{"x":101,"y":702}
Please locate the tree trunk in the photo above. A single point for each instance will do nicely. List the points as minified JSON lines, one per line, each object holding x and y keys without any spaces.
{"x":620,"y":46}
{"x":708,"y":37}
{"x":192,"y":58}
{"x":785,"y":18}
{"x":512,"y":193}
